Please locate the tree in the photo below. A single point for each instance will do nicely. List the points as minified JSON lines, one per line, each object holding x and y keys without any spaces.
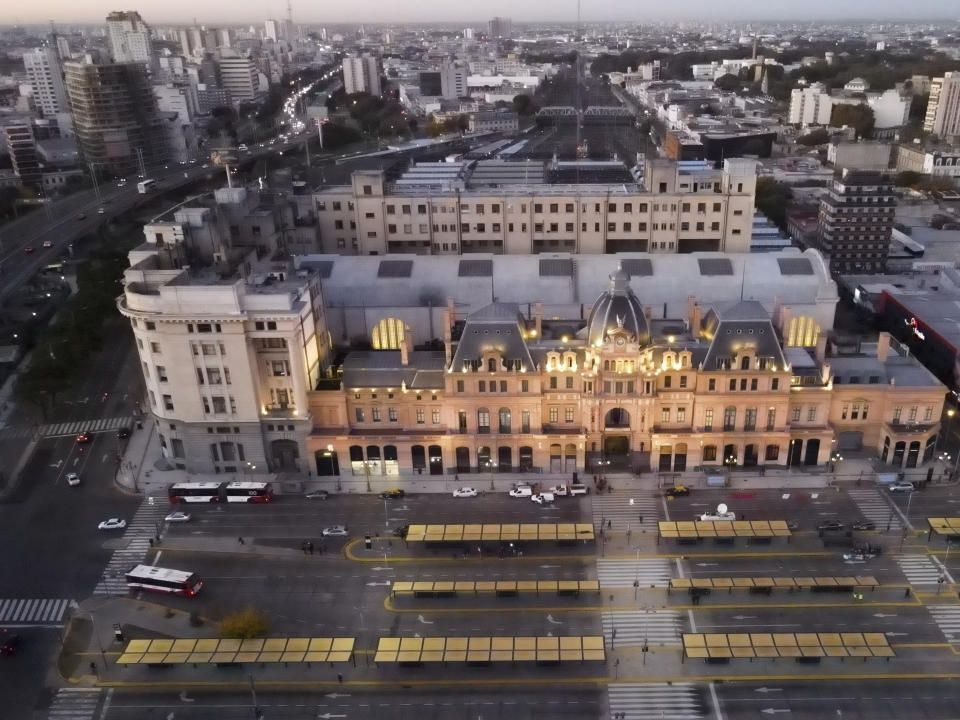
{"x":523,"y":105}
{"x":728,"y":82}
{"x":907,"y":178}
{"x":247,"y":623}
{"x":772,"y":199}
{"x":817,"y":137}
{"x":859,"y":117}
{"x":918,"y":107}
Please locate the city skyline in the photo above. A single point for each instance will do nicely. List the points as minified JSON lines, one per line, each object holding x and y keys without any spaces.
{"x":432,"y":11}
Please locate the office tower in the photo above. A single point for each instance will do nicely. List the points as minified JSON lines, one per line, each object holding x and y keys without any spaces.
{"x":63,"y":47}
{"x":239,"y":76}
{"x":129,"y":37}
{"x":46,"y":78}
{"x":468,"y":33}
{"x":856,"y":220}
{"x":453,"y":80}
{"x":500,"y":27}
{"x":183,"y":37}
{"x":115,"y":116}
{"x":361,"y":73}
{"x":18,"y":136}
{"x":271,"y":30}
{"x":943,"y":109}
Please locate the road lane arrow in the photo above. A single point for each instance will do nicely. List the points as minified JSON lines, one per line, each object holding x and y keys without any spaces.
{"x":774,"y":711}
{"x":884,"y":615}
{"x":376,"y":584}
{"x":550,"y":619}
{"x":378,"y":569}
{"x":767,"y":690}
{"x":335,"y":695}
{"x":706,"y":564}
{"x":745,"y":617}
{"x":184,"y":698}
{"x":894,"y":634}
{"x":421,"y":618}
{"x":327,"y":716}
{"x":547,"y":567}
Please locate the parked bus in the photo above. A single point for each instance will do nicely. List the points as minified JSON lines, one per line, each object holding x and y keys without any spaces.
{"x":249,"y":492}
{"x":196,"y":492}
{"x":156,"y":579}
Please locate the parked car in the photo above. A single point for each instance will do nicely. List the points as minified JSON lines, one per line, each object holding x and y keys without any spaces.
{"x":334,"y":531}
{"x":73,"y":479}
{"x":899,"y":487}
{"x":47,"y":243}
{"x":677,"y":491}
{"x":542,"y":498}
{"x":559,"y":490}
{"x":465,"y":492}
{"x":178,"y":516}
{"x":393,"y":493}
{"x":112,"y":524}
{"x":521,"y":491}
{"x":864,"y":525}
{"x":318,"y":495}
{"x":829,"y":526}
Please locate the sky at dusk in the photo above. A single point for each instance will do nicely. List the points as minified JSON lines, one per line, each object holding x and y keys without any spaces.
{"x":371,"y":11}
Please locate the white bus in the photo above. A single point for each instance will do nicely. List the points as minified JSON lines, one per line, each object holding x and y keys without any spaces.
{"x":156,"y":579}
{"x":195,"y":492}
{"x":249,"y":492}
{"x":145,"y":185}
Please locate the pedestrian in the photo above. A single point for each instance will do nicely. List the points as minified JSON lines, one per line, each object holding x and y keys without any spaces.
{"x":609,"y":524}
{"x":340,"y":678}
{"x":310,"y":547}
{"x":303,"y":547}
{"x":641,"y":519}
{"x":93,"y":668}
{"x":240,"y":540}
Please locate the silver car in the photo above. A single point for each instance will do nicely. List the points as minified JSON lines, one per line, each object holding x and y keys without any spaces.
{"x":334,"y":531}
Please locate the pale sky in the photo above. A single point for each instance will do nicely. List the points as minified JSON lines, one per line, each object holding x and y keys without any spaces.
{"x":162,"y":12}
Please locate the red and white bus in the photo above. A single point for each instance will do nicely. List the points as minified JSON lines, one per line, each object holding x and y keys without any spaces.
{"x":249,"y":492}
{"x":195,"y":492}
{"x":156,"y":579}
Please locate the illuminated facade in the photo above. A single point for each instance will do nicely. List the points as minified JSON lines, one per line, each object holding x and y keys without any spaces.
{"x":726,"y":385}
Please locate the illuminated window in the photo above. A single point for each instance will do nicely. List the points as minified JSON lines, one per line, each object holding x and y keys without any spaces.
{"x":803,"y":332}
{"x":388,"y":334}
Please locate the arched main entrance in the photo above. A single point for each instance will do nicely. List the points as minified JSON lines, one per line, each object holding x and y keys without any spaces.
{"x":616,"y":452}
{"x":284,"y":455}
{"x":617,"y":417}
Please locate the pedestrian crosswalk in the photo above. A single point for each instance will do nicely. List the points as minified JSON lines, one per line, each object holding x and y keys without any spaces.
{"x":659,"y":701}
{"x":65,"y":429}
{"x":919,"y":569}
{"x":74,"y":703}
{"x":33,"y":611}
{"x":140,"y":529}
{"x":947,"y":618}
{"x":874,"y":506}
{"x":641,"y":627}
{"x":621,"y":573}
{"x":615,"y":507}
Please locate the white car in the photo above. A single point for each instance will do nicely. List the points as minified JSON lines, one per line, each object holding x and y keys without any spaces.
{"x":559,"y":490}
{"x":112,"y":524}
{"x":73,"y":479}
{"x":465,"y":492}
{"x":542,"y":498}
{"x":902,"y":487}
{"x":521,"y":491}
{"x":335,"y":531}
{"x":178,"y":517}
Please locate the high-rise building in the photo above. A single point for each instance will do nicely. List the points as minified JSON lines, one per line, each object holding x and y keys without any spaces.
{"x":810,"y":106}
{"x":18,"y":137}
{"x":501,"y":27}
{"x":116,"y":119}
{"x":238,"y":75}
{"x":361,"y":73}
{"x":856,"y":221}
{"x":183,"y":37}
{"x":271,"y":30}
{"x":468,"y":33}
{"x":63,"y":47}
{"x":46,"y":79}
{"x":453,"y":80}
{"x":129,"y":37}
{"x":943,"y":109}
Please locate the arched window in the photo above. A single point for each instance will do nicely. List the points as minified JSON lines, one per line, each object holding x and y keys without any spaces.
{"x":491,"y":364}
{"x":504,"y":420}
{"x":745,"y":362}
{"x":388,"y":334}
{"x":803,"y":332}
{"x":483,"y":420}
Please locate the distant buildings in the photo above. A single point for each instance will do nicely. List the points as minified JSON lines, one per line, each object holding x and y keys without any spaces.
{"x":46,"y":80}
{"x":501,"y":27}
{"x":810,"y":106}
{"x":238,"y":76}
{"x":361,"y":73}
{"x":941,"y":161}
{"x":503,"y":121}
{"x":453,"y":80}
{"x":859,"y":155}
{"x":943,"y":109}
{"x":271,"y":30}
{"x":116,"y":118}
{"x":18,"y":137}
{"x":856,"y":220}
{"x":129,"y":37}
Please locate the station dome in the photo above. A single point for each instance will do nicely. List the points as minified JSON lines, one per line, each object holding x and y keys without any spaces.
{"x":618,"y":311}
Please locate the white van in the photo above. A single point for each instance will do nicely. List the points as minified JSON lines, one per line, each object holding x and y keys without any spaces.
{"x":521,"y":491}
{"x":578,"y":489}
{"x":543,"y":498}
{"x":711,"y":517}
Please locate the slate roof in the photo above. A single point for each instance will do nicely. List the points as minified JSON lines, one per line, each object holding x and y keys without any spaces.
{"x":746,"y":323}
{"x":498,"y":326}
{"x":383,"y":369}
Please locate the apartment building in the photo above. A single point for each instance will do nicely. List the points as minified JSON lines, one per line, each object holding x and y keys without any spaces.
{"x":723,"y":386}
{"x":129,"y":37}
{"x":810,"y":106}
{"x":231,"y":338}
{"x":856,"y":220}
{"x":943,"y":108}
{"x":496,"y":206}
{"x":361,"y":73}
{"x":238,"y":76}
{"x":46,"y":80}
{"x":19,"y":140}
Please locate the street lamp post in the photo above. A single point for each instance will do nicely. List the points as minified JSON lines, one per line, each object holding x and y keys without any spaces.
{"x":366,"y":472}
{"x":491,"y":467}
